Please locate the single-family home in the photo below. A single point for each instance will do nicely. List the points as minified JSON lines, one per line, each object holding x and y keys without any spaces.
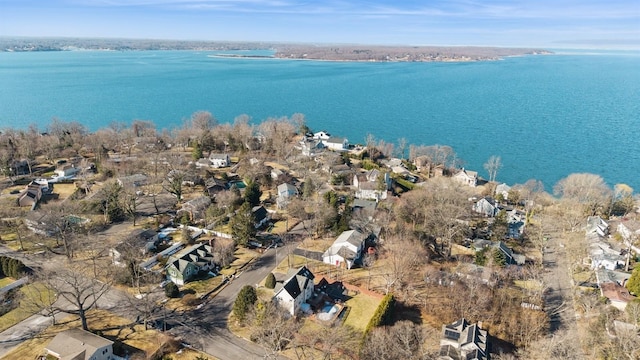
{"x":466,"y":177}
{"x":502,"y":190}
{"x":67,"y":171}
{"x":286,"y":192}
{"x":310,"y":147}
{"x":336,"y":143}
{"x":260,"y":216}
{"x":219,"y":160}
{"x":296,"y":289}
{"x":215,"y":186}
{"x":510,"y":257}
{"x":78,"y":344}
{"x":203,"y":163}
{"x":463,"y":340}
{"x":365,"y":207}
{"x":185,"y":265}
{"x":422,"y":163}
{"x":136,"y":245}
{"x":372,"y":185}
{"x":30,"y":195}
{"x":629,"y":229}
{"x":486,"y":206}
{"x":195,"y":208}
{"x":618,"y":295}
{"x":132,"y":182}
{"x":321,"y":135}
{"x":516,"y":223}
{"x":345,"y":250}
{"x":595,"y":224}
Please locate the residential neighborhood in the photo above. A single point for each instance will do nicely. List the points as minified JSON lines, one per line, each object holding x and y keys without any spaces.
{"x":207,"y":241}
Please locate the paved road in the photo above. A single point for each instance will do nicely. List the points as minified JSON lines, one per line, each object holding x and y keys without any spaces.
{"x":559,"y":298}
{"x":207,"y":327}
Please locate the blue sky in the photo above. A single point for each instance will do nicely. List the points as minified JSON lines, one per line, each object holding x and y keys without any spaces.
{"x":607,"y":24}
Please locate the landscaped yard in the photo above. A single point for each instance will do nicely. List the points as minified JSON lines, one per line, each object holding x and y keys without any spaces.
{"x":242,"y":256}
{"x":362,"y":307}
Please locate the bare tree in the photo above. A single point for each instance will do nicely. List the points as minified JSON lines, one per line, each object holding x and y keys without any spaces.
{"x":586,"y":189}
{"x":79,"y":292}
{"x":492,"y":166}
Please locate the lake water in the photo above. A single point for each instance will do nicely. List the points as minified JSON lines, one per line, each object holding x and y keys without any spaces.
{"x":546,"y":116}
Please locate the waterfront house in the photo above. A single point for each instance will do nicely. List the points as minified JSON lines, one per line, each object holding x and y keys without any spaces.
{"x":185,"y":265}
{"x":78,"y":344}
{"x":503,"y":190}
{"x":310,"y":147}
{"x":345,"y":250}
{"x":463,"y":340}
{"x":367,"y":185}
{"x":296,"y":289}
{"x":466,"y":177}
{"x":336,"y":143}
{"x":321,"y":135}
{"x":30,"y":195}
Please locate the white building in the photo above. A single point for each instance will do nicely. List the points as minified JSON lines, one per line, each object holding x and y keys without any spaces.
{"x":219,"y":160}
{"x":345,"y":250}
{"x":295,"y":290}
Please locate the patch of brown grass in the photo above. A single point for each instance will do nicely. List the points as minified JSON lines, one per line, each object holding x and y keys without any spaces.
{"x":108,"y":325}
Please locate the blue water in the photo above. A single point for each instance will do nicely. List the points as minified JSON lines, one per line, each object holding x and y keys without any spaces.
{"x":546,"y":116}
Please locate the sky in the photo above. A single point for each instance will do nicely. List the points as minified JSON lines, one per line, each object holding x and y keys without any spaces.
{"x":586,"y":24}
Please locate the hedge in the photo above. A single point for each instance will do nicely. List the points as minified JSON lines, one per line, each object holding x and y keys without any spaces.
{"x":383,"y":314}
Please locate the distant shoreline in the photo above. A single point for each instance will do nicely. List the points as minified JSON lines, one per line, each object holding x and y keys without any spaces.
{"x":347,"y":53}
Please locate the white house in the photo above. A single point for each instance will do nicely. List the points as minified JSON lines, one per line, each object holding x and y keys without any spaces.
{"x":67,"y":171}
{"x":219,"y":160}
{"x":336,"y":143}
{"x":486,"y":207}
{"x":503,"y":189}
{"x":321,"y":135}
{"x":345,"y":250}
{"x":295,"y":290}
{"x":285,"y":192}
{"x":78,"y":344}
{"x":467,"y":177}
{"x":311,"y":147}
{"x":367,"y":185}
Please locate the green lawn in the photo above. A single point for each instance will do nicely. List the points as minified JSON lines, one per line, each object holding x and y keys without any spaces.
{"x":362,"y":307}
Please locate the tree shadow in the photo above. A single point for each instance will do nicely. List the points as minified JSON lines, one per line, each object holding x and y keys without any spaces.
{"x":407,"y":312}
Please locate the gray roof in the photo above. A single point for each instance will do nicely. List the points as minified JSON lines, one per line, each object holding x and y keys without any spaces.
{"x":77,"y":344}
{"x":297,"y":280}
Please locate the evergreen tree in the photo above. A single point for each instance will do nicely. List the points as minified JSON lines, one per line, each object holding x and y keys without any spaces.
{"x":196,"y":153}
{"x":270,"y":281}
{"x":252,"y":193}
{"x":307,"y":188}
{"x":243,"y":225}
{"x":247,"y":297}
{"x":633,"y":285}
{"x":171,"y":290}
{"x":499,"y":258}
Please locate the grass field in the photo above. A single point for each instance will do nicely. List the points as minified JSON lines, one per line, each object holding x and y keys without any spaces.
{"x":362,"y":307}
{"x":25,"y":309}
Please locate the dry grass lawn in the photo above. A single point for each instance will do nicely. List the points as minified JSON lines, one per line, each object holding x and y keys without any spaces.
{"x":316,"y":244}
{"x":5,"y":281}
{"x":64,"y":190}
{"x":242,"y":257}
{"x":107,"y":324}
